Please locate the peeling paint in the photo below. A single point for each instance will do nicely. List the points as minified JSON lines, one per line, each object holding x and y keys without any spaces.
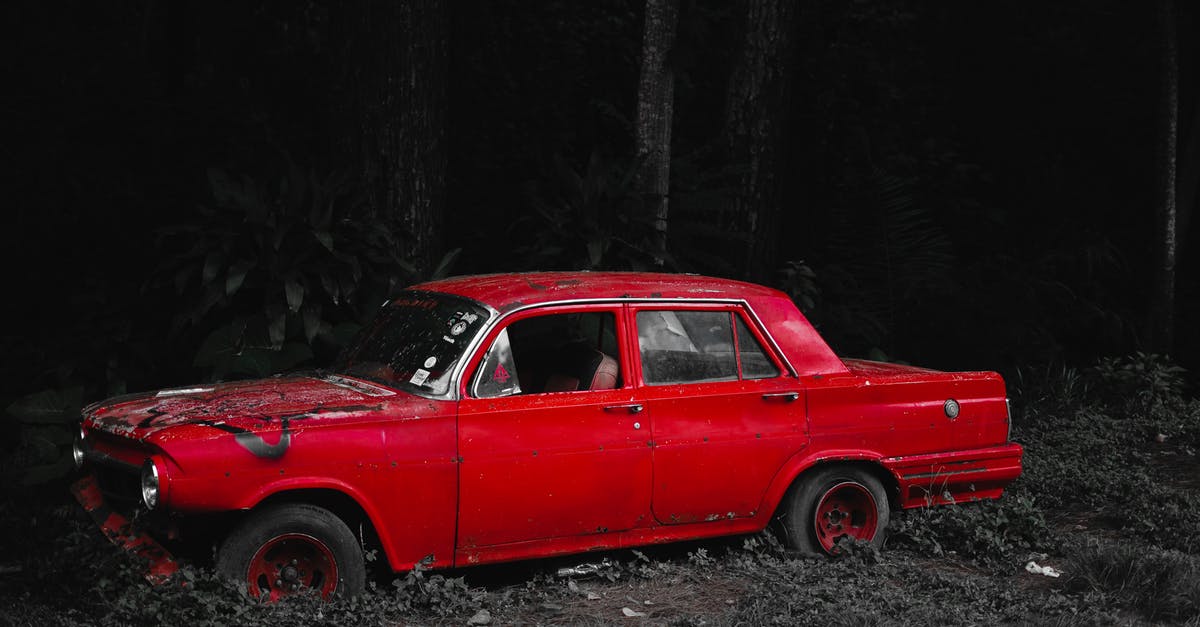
{"x":255,"y":443}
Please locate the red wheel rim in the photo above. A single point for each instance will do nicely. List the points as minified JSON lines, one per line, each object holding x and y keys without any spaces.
{"x":291,"y":563}
{"x":846,"y":509}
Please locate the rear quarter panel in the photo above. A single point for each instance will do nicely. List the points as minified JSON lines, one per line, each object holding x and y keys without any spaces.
{"x":895,"y":418}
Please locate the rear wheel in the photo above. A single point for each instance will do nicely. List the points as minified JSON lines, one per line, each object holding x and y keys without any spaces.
{"x":290,"y":548}
{"x":832,"y":503}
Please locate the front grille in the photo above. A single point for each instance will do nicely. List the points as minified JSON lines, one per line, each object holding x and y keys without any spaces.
{"x":121,"y":487}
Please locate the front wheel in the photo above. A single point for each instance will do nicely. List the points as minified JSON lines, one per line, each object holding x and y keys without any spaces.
{"x":833,"y":503}
{"x":293,"y":547}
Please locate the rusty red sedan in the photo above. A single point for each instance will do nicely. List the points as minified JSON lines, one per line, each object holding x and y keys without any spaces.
{"x":490,"y":418}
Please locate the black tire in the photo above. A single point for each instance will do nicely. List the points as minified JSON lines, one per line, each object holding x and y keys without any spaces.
{"x":855,"y":500}
{"x":318,"y":546}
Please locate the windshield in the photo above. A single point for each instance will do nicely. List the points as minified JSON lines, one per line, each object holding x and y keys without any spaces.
{"x":414,"y":341}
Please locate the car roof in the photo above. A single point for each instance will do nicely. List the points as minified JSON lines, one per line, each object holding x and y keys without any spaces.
{"x":505,"y":292}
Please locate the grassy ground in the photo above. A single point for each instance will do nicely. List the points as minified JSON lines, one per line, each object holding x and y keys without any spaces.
{"x":1110,"y":496}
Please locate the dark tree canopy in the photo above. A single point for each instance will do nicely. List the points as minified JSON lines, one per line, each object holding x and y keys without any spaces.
{"x":966,"y":185}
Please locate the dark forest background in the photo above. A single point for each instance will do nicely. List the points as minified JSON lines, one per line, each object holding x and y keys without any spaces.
{"x":201,"y":190}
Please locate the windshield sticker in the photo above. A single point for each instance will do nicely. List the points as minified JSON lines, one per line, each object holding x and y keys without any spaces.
{"x":419,"y":377}
{"x":469,"y":317}
{"x":458,"y":328}
{"x":448,"y":338}
{"x":429,"y":363}
{"x":501,"y":374}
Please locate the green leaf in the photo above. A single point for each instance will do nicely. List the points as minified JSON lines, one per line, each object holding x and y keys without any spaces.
{"x":54,"y":435}
{"x":290,"y":355}
{"x":330,"y":286}
{"x":295,"y":294}
{"x":212,"y":265}
{"x":595,"y":249}
{"x":220,"y":346}
{"x":344,"y":332}
{"x":46,"y":473}
{"x":312,"y":321}
{"x":40,"y":450}
{"x":48,"y":406}
{"x":325,"y":238}
{"x":182,"y":275}
{"x":446,"y":264}
{"x":254,"y":361}
{"x":276,"y":330}
{"x":236,"y":276}
{"x":223,"y":188}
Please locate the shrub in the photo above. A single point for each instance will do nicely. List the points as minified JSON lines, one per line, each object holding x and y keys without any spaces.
{"x":989,"y":532}
{"x":1143,"y":380}
{"x":271,"y":272}
{"x":1162,"y":584}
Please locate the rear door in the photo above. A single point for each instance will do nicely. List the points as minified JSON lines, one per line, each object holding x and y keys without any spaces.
{"x":725,"y":412}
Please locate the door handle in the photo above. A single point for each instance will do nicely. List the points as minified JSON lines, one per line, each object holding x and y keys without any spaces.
{"x":787,"y":397}
{"x":633,"y":408}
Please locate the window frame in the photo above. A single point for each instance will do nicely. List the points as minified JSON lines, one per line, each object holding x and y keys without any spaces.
{"x":737,"y":310}
{"x":615,"y":308}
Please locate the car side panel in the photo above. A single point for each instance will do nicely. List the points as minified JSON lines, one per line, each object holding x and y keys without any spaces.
{"x":401,"y":470}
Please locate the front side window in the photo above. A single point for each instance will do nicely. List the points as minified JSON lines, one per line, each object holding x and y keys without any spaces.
{"x":414,"y":342}
{"x":565,"y":352}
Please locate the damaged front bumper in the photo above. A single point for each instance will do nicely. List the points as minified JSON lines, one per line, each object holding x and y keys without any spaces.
{"x":120,"y":530}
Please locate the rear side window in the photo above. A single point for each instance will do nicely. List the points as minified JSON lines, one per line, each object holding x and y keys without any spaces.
{"x":686,"y":346}
{"x":699,"y":346}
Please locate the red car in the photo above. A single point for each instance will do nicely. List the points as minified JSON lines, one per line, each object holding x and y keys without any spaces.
{"x":492,"y":418}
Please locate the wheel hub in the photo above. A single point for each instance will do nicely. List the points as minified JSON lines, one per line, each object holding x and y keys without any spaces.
{"x":289,"y":563}
{"x":846,"y":509}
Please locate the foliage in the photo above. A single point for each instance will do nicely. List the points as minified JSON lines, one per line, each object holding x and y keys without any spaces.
{"x":1143,"y":380}
{"x":434,"y":593}
{"x":274,"y":272}
{"x":1162,"y":584}
{"x":582,"y":220}
{"x":47,"y":422}
{"x":799,"y":282}
{"x":884,"y":256}
{"x":992,"y":532}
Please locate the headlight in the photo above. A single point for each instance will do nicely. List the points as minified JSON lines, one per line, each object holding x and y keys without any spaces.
{"x":79,"y":448}
{"x":150,"y":484}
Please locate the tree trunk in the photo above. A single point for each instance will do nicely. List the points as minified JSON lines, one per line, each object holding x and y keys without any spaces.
{"x":655,"y":105}
{"x":756,"y":114}
{"x":1162,"y":311}
{"x":395,"y":99}
{"x":1188,"y":182}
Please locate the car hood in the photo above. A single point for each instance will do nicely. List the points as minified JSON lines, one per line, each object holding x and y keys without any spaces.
{"x":240,"y":405}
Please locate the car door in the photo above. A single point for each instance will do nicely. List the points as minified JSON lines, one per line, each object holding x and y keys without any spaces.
{"x":544,"y":452}
{"x":726,"y":413}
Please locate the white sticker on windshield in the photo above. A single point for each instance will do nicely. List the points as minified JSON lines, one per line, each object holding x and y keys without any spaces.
{"x":419,"y":377}
{"x":448,"y":338}
{"x":458,"y":328}
{"x":429,"y":363}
